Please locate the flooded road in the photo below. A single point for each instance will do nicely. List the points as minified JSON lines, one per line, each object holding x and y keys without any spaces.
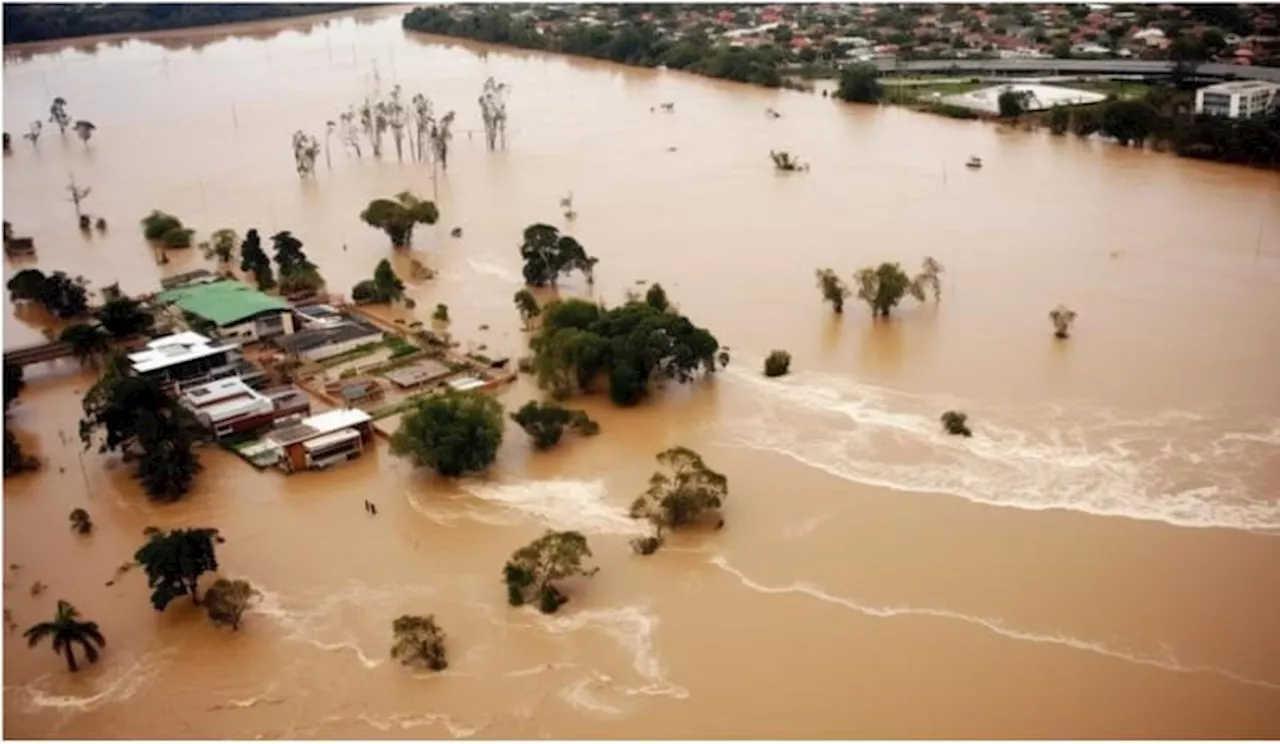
{"x":1099,"y":560}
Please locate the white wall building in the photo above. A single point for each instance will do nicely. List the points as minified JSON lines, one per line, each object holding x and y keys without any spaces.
{"x":1243,"y":99}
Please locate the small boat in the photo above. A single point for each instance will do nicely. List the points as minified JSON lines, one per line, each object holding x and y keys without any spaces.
{"x":974,"y":162}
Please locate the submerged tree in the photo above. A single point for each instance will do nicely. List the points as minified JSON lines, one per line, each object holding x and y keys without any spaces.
{"x":66,"y":631}
{"x":441,"y":135}
{"x":80,"y":521}
{"x":547,"y":254}
{"x":833,"y":289}
{"x":1013,"y":103}
{"x":527,"y":306}
{"x":423,"y":121}
{"x":545,"y":423}
{"x":786,"y":162}
{"x":305,"y":151}
{"x":58,"y":114}
{"x":221,"y":246}
{"x":397,"y":119}
{"x":329,"y":127}
{"x":928,"y":277}
{"x":882,"y":288}
{"x":78,"y":195}
{"x":166,"y":229}
{"x":84,"y":129}
{"x":89,"y":343}
{"x":254,"y":260}
{"x":419,"y":641}
{"x":296,"y":272}
{"x":123,"y":317}
{"x":493,"y":111}
{"x":956,"y":424}
{"x":175,"y":560}
{"x":777,"y":364}
{"x":226,"y":600}
{"x":532,"y":569}
{"x":33,"y":132}
{"x":1062,"y":317}
{"x":680,"y":497}
{"x":398,"y":216}
{"x":349,"y":133}
{"x":453,"y":433}
{"x":60,"y":295}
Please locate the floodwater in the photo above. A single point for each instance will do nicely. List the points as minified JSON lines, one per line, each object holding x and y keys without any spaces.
{"x":1099,"y":560}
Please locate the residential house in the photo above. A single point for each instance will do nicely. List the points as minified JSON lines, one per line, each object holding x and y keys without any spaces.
{"x":230,"y":406}
{"x":325,"y":333}
{"x":189,"y":358}
{"x":323,"y":440}
{"x":233,"y":309}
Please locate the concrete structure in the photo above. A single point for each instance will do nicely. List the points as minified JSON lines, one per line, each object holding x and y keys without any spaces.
{"x":189,"y":358}
{"x":1058,"y":67}
{"x":229,"y":406}
{"x":419,"y":373}
{"x":323,"y":440}
{"x":326,"y":333}
{"x":1039,"y":97}
{"x":234,"y":308}
{"x":1245,"y":99}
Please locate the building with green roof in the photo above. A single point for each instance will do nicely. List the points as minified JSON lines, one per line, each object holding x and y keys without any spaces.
{"x":234,"y":308}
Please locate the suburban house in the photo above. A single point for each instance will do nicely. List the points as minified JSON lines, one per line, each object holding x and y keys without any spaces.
{"x":326,"y":333}
{"x":1241,"y":99}
{"x":229,"y":406}
{"x":323,"y":440}
{"x":190,"y":358}
{"x":233,"y":308}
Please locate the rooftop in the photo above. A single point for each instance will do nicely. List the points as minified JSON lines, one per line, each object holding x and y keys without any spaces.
{"x":1240,"y":86}
{"x":315,"y":337}
{"x":175,"y":349}
{"x":216,"y":390}
{"x":224,"y":302}
{"x":319,"y":425}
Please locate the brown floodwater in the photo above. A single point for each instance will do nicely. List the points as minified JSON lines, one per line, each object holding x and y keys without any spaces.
{"x":1099,"y":560}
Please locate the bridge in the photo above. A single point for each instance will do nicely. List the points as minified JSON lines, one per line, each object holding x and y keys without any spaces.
{"x":39,"y":353}
{"x":1062,"y":67}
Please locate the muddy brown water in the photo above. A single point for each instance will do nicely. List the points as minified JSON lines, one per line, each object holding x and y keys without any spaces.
{"x":1100,"y":560}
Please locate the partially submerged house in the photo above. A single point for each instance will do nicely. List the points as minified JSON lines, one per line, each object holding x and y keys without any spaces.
{"x":232,"y":309}
{"x":326,"y":333}
{"x":190,"y":358}
{"x":323,"y":440}
{"x":229,"y":406}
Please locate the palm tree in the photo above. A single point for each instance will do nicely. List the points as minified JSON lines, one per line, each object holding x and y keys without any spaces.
{"x":66,"y":630}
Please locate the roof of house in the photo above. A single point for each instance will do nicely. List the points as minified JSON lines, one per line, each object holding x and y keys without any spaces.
{"x":216,"y":390}
{"x":319,"y":425}
{"x":314,"y":338}
{"x":176,"y":349}
{"x":224,"y":302}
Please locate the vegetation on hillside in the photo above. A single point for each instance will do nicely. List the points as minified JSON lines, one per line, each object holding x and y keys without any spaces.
{"x":40,"y":22}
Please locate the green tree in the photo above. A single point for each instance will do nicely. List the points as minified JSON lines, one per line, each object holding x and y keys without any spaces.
{"x":296,"y":272}
{"x":254,"y":260}
{"x":89,"y":343}
{"x":532,"y":569}
{"x":777,"y":364}
{"x":27,"y":285}
{"x":123,"y":317}
{"x":222,"y":245}
{"x":226,"y":600}
{"x":175,"y":561}
{"x":454,"y":433}
{"x":680,"y":497}
{"x":833,"y":289}
{"x":860,"y":84}
{"x":398,"y":216}
{"x":419,"y":641}
{"x":1013,"y":103}
{"x":547,"y":254}
{"x":15,"y":460}
{"x":1059,"y":120}
{"x":441,"y":314}
{"x":545,"y":423}
{"x":656,"y":298}
{"x":882,"y":288}
{"x":159,"y":227}
{"x":956,"y":424}
{"x":65,"y":632}
{"x":1085,"y":123}
{"x":59,"y":294}
{"x":527,"y":306}
{"x":80,"y":521}
{"x":1129,"y":121}
{"x":388,"y":286}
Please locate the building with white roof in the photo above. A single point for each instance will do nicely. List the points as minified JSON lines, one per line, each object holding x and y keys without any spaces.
{"x":188,"y":357}
{"x":324,"y":439}
{"x":228,"y":406}
{"x":1241,"y":99}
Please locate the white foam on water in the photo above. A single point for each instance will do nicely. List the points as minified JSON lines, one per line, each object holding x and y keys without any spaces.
{"x":318,"y":623}
{"x":559,"y":504}
{"x":406,"y":722}
{"x":488,"y":268}
{"x":1166,"y":660}
{"x":633,"y":627}
{"x":113,"y":686}
{"x":1177,"y":467}
{"x":580,"y":696}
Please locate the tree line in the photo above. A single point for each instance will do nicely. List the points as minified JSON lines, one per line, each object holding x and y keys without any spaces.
{"x":631,"y":42}
{"x":41,"y":22}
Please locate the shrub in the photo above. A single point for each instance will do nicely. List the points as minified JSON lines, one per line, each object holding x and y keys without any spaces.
{"x":777,"y":364}
{"x":955,"y":423}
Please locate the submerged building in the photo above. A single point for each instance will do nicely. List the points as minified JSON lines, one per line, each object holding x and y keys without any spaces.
{"x":233,"y":309}
{"x":230,"y":406}
{"x":323,"y":440}
{"x":190,"y":358}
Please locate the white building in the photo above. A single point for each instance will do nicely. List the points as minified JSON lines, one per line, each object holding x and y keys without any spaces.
{"x":228,"y":406}
{"x":185,"y":357}
{"x":1243,"y":99}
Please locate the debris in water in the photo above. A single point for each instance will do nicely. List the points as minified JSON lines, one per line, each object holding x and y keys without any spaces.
{"x":38,"y":588}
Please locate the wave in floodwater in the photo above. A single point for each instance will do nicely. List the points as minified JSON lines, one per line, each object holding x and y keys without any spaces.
{"x":407,"y":722}
{"x":631,"y":626}
{"x":320,"y":623}
{"x":112,"y":686}
{"x":1177,"y":467}
{"x":559,"y":504}
{"x":488,"y":268}
{"x":1166,"y":660}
